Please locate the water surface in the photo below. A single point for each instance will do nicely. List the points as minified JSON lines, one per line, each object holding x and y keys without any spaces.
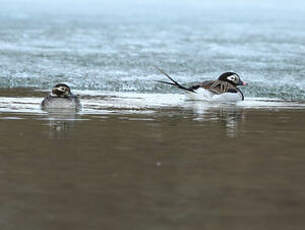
{"x":139,"y":155}
{"x":141,"y":161}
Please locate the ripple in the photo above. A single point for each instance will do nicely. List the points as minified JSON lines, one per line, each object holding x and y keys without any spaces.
{"x":125,"y":103}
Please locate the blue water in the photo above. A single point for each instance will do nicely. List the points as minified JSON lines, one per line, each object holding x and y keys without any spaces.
{"x":98,"y":45}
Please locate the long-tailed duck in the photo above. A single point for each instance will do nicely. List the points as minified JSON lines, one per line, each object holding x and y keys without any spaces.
{"x":225,"y":85}
{"x":61,"y":98}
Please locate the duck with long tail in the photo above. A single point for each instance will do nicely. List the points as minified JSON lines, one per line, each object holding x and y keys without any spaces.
{"x":224,"y":88}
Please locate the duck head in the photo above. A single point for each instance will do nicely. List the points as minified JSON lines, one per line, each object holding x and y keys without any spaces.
{"x":232,"y":78}
{"x":61,"y":90}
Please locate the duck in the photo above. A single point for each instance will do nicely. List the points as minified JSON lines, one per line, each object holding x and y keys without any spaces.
{"x":225,"y":87}
{"x":61,"y":97}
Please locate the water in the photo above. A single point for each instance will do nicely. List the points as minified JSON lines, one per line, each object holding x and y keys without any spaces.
{"x":113,"y":47}
{"x":140,"y":155}
{"x":150,"y":161}
{"x":170,"y":165}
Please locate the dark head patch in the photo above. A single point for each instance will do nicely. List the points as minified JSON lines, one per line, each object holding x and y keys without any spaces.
{"x":61,"y":84}
{"x":224,"y":76}
{"x":230,"y":77}
{"x":61,"y":90}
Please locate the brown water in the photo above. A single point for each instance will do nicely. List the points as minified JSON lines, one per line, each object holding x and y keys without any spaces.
{"x":151,"y":167}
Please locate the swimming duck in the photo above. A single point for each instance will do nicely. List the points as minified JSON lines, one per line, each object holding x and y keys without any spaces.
{"x":226,"y":84}
{"x":61,"y":97}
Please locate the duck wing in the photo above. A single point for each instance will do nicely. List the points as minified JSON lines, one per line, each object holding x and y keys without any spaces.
{"x":219,"y":87}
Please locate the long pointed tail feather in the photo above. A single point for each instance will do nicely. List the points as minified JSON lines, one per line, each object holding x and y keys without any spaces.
{"x":168,"y":83}
{"x":174,"y":83}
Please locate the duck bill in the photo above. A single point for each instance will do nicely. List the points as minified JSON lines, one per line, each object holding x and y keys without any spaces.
{"x":242,"y":83}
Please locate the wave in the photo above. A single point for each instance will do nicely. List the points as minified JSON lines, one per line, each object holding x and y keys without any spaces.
{"x":146,"y":84}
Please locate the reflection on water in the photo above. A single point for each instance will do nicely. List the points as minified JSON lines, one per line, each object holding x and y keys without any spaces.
{"x":151,"y":162}
{"x":60,"y":122}
{"x":229,"y":115}
{"x":59,"y":129}
{"x":232,"y":120}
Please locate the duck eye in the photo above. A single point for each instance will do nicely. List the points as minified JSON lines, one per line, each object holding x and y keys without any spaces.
{"x":232,"y":78}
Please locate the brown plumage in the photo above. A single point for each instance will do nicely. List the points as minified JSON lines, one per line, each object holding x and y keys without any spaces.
{"x":217,"y":86}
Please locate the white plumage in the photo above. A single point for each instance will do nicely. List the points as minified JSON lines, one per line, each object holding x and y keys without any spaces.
{"x":206,"y":95}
